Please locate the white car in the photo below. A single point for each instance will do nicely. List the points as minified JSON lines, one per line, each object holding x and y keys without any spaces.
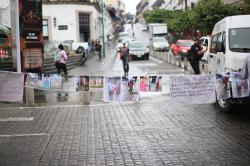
{"x":160,"y":43}
{"x":80,"y":47}
{"x":123,"y":35}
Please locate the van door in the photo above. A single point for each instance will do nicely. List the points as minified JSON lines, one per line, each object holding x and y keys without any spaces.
{"x":212,"y":57}
{"x":221,"y":52}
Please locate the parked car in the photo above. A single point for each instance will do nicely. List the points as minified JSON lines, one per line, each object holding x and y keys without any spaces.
{"x":123,"y":35}
{"x":160,"y":43}
{"x":182,"y":47}
{"x":138,"y":49}
{"x":124,"y":40}
{"x":80,"y":47}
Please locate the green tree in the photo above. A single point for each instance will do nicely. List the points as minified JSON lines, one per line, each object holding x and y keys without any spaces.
{"x":207,"y":13}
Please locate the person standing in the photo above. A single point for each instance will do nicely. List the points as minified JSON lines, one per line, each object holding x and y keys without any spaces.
{"x":62,"y":63}
{"x":125,"y":59}
{"x":196,"y":55}
{"x":98,"y":48}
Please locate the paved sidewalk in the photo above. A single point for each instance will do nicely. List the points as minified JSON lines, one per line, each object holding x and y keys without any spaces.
{"x":148,"y":133}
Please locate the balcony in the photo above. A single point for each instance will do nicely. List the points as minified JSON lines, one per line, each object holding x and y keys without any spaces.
{"x":94,"y":3}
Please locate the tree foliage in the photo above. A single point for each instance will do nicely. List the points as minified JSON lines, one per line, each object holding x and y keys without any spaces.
{"x":203,"y":17}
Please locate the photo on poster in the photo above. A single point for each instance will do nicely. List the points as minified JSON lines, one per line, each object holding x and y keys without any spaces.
{"x":155,"y":83}
{"x":240,"y":87}
{"x":130,"y":89}
{"x":222,"y":86}
{"x":46,"y":83}
{"x":112,"y":89}
{"x":55,"y":82}
{"x":69,"y":83}
{"x":96,"y":82}
{"x":144,"y":84}
{"x":82,"y":83}
{"x":34,"y":80}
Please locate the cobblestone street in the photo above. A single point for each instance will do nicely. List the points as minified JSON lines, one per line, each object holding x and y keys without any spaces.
{"x":146,"y":133}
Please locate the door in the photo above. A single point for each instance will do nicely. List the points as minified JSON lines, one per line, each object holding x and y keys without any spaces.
{"x":84,"y":27}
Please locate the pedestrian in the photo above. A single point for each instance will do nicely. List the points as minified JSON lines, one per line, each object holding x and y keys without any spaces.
{"x":61,"y":64}
{"x":125,"y":58}
{"x":98,"y":48}
{"x":196,"y":55}
{"x":245,"y":72}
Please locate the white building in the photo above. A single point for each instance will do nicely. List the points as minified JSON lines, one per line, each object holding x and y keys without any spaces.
{"x":175,"y":4}
{"x":71,"y":20}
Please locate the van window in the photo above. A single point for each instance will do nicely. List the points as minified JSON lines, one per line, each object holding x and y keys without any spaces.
{"x":239,"y":39}
{"x":214,"y":43}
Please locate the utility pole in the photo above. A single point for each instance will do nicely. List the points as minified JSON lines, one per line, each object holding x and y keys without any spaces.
{"x":102,"y":35}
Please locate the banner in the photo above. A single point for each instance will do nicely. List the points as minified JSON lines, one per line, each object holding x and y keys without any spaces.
{"x":96,"y":82}
{"x":11,"y":86}
{"x":193,"y":89}
{"x":82,"y":83}
{"x":130,"y":89}
{"x":69,"y":84}
{"x":222,"y":86}
{"x":240,"y":87}
{"x":31,"y":34}
{"x":50,"y":82}
{"x":112,"y":89}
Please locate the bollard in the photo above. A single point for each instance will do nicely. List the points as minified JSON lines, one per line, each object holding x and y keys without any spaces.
{"x":30,"y":97}
{"x":169,"y":58}
{"x":86,"y":97}
{"x":173,"y":60}
{"x":178,"y":61}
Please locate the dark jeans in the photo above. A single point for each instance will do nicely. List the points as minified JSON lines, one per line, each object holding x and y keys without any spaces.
{"x":195,"y":63}
{"x":60,"y":67}
{"x":125,"y":65}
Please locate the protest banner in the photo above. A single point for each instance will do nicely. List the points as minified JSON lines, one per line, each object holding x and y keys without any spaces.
{"x":34,"y":80}
{"x":112,"y":89}
{"x":69,"y":84}
{"x":11,"y":87}
{"x":192,"y":89}
{"x":82,"y":83}
{"x":155,"y":83}
{"x":96,"y":82}
{"x":222,"y":86}
{"x":130,"y":89}
{"x":240,"y":87}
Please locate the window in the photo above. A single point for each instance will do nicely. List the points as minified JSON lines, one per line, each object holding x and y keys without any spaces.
{"x":45,"y":29}
{"x":239,"y":39}
{"x":214,"y":43}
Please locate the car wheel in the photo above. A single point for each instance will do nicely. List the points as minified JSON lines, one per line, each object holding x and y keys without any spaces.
{"x":80,"y":50}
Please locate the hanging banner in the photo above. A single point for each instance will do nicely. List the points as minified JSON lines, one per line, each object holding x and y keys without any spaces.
{"x":112,"y":89}
{"x":96,"y":82}
{"x":130,"y":89}
{"x":144,"y":83}
{"x":11,"y":89}
{"x":240,"y":87}
{"x":69,"y":84}
{"x":31,"y":34}
{"x":82,"y":83}
{"x":222,"y":86}
{"x":192,"y":89}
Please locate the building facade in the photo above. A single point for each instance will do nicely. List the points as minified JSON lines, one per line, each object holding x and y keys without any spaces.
{"x":5,"y":13}
{"x":76,"y":20}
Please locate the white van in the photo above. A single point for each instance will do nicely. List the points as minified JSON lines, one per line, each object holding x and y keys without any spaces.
{"x":230,"y":44}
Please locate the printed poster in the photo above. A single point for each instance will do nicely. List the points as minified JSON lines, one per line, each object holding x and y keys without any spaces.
{"x":96,"y":82}
{"x":155,"y":83}
{"x":11,"y":89}
{"x":193,"y":89}
{"x":112,"y":89}
{"x":69,"y":84}
{"x":82,"y":83}
{"x":130,"y":89}
{"x":144,"y":84}
{"x":222,"y":86}
{"x":34,"y":80}
{"x":240,"y":87}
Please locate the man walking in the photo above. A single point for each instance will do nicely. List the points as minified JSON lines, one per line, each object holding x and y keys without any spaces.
{"x":196,"y":55}
{"x":125,"y":59}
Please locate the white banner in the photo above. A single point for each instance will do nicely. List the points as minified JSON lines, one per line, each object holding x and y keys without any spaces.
{"x":222,"y":86}
{"x":11,"y":86}
{"x":192,"y":89}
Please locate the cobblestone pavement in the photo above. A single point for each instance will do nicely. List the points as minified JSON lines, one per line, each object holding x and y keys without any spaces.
{"x":147,"y":133}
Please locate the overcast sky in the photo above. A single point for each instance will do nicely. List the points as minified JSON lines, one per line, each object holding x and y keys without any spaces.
{"x":131,"y":5}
